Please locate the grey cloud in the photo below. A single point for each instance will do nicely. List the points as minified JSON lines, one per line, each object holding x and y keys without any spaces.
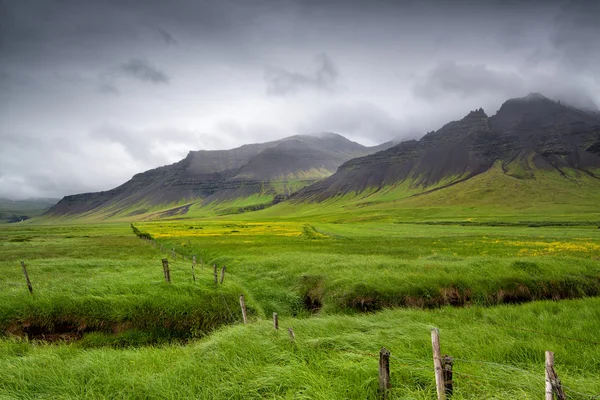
{"x":450,"y":78}
{"x":109,"y":89}
{"x":282,"y":82}
{"x":491,"y":87}
{"x":141,"y":69}
{"x":166,"y":36}
{"x":576,"y":34}
{"x":360,"y":121}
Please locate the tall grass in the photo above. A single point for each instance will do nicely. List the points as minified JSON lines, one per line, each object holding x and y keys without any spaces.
{"x":333,"y":357}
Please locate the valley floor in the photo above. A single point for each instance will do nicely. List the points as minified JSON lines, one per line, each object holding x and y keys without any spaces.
{"x":346,"y":290}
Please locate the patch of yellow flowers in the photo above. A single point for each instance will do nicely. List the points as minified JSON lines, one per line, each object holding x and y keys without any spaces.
{"x":225,"y":229}
{"x":536,"y":248}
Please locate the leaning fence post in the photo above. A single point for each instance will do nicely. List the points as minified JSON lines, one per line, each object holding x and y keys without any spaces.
{"x":223,"y":273}
{"x":243,"y":306}
{"x":166,"y":270}
{"x":292,"y":334}
{"x":215,"y":273}
{"x":194,"y":266}
{"x":275,"y":321}
{"x":447,"y":362}
{"x":27,"y":277}
{"x":437,"y":363}
{"x":384,"y":372}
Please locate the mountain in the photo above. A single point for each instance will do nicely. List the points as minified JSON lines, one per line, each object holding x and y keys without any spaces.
{"x":526,"y":137}
{"x":251,"y":175}
{"x":20,"y":210}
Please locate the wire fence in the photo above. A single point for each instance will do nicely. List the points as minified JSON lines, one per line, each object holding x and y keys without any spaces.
{"x":495,"y":373}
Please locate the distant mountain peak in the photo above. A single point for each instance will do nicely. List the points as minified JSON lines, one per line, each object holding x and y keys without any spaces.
{"x":534,"y":96}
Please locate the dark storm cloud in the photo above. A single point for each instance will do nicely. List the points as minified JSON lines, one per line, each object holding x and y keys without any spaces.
{"x":281,"y":82}
{"x":142,"y":69}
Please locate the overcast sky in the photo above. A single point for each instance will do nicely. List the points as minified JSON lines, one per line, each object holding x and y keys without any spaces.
{"x":92,"y":92}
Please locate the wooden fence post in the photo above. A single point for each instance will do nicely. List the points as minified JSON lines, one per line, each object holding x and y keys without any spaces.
{"x":292,"y":334}
{"x":384,"y":372}
{"x":437,"y":363}
{"x":223,"y":273}
{"x":447,"y":362}
{"x":27,"y":277}
{"x":275,"y":321}
{"x":215,"y":273}
{"x":553,"y":385}
{"x":243,"y":306}
{"x":193,"y":267}
{"x":166,"y":270}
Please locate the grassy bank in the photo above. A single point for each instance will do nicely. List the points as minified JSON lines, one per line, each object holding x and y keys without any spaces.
{"x":294,"y":268}
{"x":499,"y":354}
{"x":105,"y":279}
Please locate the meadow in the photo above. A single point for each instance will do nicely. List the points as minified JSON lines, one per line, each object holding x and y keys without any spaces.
{"x":500,"y":296}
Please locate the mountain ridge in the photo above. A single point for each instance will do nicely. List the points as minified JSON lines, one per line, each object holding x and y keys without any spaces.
{"x":526,"y":133}
{"x":209,"y":176}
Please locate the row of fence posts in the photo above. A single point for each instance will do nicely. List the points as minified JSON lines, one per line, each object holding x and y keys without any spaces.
{"x":167,"y":271}
{"x":444,"y":383}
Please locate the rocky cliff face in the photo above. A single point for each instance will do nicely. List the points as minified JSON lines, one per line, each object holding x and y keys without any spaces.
{"x":534,"y":131}
{"x":221,"y":175}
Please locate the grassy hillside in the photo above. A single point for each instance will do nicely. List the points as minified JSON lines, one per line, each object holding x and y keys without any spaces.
{"x":494,"y":195}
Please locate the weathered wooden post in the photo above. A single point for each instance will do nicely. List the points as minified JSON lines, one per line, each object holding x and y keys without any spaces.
{"x":27,"y":277}
{"x":223,"y":273}
{"x":292,"y":334}
{"x":447,"y":362}
{"x":166,"y":270}
{"x":384,"y":372}
{"x":215,"y":273}
{"x":243,"y":306}
{"x":437,"y":363}
{"x":193,"y":267}
{"x":553,"y":385}
{"x":549,"y":365}
{"x":275,"y":321}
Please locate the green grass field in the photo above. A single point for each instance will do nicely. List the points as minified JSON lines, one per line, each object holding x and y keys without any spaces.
{"x":347,"y":289}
